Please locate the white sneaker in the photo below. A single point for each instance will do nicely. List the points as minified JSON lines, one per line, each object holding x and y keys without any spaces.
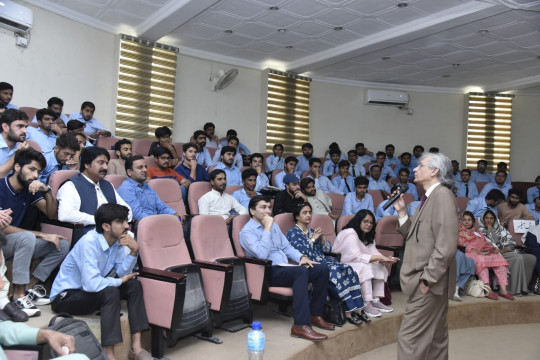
{"x":381,"y":307}
{"x":370,"y":310}
{"x":38,"y":295}
{"x":26,"y":305}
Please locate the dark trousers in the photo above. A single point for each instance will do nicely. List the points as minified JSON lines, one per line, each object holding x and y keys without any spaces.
{"x":298,"y":278}
{"x":79,"y":302}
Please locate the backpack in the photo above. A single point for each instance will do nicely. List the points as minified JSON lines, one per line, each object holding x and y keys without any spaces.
{"x":85,"y":341}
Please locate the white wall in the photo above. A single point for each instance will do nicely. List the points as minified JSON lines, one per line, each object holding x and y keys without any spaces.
{"x":525,"y":146}
{"x":66,"y":59}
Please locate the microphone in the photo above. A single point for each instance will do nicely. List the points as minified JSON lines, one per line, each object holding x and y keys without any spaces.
{"x":401,"y":190}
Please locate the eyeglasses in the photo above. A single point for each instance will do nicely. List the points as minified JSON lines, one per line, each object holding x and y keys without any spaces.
{"x":164,"y":158}
{"x":367,"y":222}
{"x":420,"y":165}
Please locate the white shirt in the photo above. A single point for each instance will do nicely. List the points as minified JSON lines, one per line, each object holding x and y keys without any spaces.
{"x":214,"y":203}
{"x":69,"y":203}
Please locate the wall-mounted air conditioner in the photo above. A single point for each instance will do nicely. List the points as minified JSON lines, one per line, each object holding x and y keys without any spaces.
{"x":15,"y":17}
{"x":387,"y":97}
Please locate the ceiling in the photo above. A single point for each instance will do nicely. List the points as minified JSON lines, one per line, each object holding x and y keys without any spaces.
{"x":433,"y":45}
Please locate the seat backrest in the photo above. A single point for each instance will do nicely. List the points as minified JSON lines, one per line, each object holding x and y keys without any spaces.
{"x":342,"y":221}
{"x":29,"y":111}
{"x":377,"y":198}
{"x":106,"y":142}
{"x":480,"y":185}
{"x":391,"y":181}
{"x":211,"y":167}
{"x":196,"y":190}
{"x":337,"y":202}
{"x":326,"y":224}
{"x":232,"y":188}
{"x":112,"y":154}
{"x":161,"y":242}
{"x":34,"y":144}
{"x":141,"y":146}
{"x":57,"y":178}
{"x":285,"y":221}
{"x":366,"y":167}
{"x":116,"y":179}
{"x":408,"y":198}
{"x":274,"y":173}
{"x":462,"y":202}
{"x":170,"y":193}
{"x":237,"y":225}
{"x":179,"y":147}
{"x":386,"y":233}
{"x":149,"y":161}
{"x":210,"y":238}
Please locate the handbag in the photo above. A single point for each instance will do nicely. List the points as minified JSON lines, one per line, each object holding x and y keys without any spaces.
{"x":477,"y":288}
{"x":334,"y":311}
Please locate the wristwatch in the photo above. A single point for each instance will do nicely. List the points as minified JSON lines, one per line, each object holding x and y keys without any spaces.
{"x":48,"y":190}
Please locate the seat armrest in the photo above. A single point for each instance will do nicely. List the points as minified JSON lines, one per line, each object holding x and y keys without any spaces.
{"x":389,"y":248}
{"x":256,"y":261}
{"x":46,"y":220}
{"x":161,"y":275}
{"x":213,"y":266}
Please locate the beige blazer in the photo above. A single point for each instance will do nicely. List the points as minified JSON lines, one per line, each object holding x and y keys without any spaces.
{"x":431,"y":244}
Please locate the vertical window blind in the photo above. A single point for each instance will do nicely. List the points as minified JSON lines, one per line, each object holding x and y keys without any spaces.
{"x":287,"y":113}
{"x":146,"y":88}
{"x":489,"y":129}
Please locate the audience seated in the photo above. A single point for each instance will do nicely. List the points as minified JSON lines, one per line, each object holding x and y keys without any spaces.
{"x":14,"y":123}
{"x":256,"y":163}
{"x":413,"y":207}
{"x":335,"y":146}
{"x":45,"y":133}
{"x":161,"y":169}
{"x":303,"y":160}
{"x":521,"y":266}
{"x":320,"y":202}
{"x":480,"y":204}
{"x":502,"y":166}
{"x":61,"y":156}
{"x":290,"y":168}
{"x":534,"y":209}
{"x":390,"y":158}
{"x":512,"y":209}
{"x":465,"y":187}
{"x":77,"y":127}
{"x":343,"y":282}
{"x":123,"y":150}
{"x":386,"y":171}
{"x":217,"y":201}
{"x":18,"y":192}
{"x":456,"y":174}
{"x":356,"y":169}
{"x":376,"y":182}
{"x":364,"y":155}
{"x":344,"y":181}
{"x":140,"y":197}
{"x":56,"y":105}
{"x":358,"y":199}
{"x":6,"y":94}
{"x":232,"y":142}
{"x":532,"y":242}
{"x":234,"y":177}
{"x":499,"y":183}
{"x":418,"y":150}
{"x":203,"y":155}
{"x":356,"y":245}
{"x":89,"y":185}
{"x":276,"y":160}
{"x":98,"y":273}
{"x":189,"y":168}
{"x":480,"y":174}
{"x":249,"y":180}
{"x":163,"y":136}
{"x":286,"y":200}
{"x":534,"y":191}
{"x":211,"y":139}
{"x":406,"y":164}
{"x":92,"y":127}
{"x":321,"y":182}
{"x":484,"y":254}
{"x":241,"y":148}
{"x":332,"y":166}
{"x":261,"y":238}
{"x":404,"y":177}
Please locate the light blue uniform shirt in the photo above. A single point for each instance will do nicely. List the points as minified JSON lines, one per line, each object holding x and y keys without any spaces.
{"x":532,"y":193}
{"x":274,"y":163}
{"x":536,"y":214}
{"x":478,"y":207}
{"x":380,"y":213}
{"x":378,"y":185}
{"x":46,"y":142}
{"x":204,"y":158}
{"x":234,"y":177}
{"x":64,"y":118}
{"x":262,"y":182}
{"x":52,"y":166}
{"x":11,"y":106}
{"x":302,"y":165}
{"x":462,"y":189}
{"x":142,"y":199}
{"x":393,"y":161}
{"x":241,"y":147}
{"x":341,"y":184}
{"x":89,"y":262}
{"x":507,"y":181}
{"x":491,"y":186}
{"x":330,"y":168}
{"x":238,"y":161}
{"x":91,"y":126}
{"x":5,"y":152}
{"x":324,"y":184}
{"x":412,"y":190}
{"x":279,"y":180}
{"x":412,"y":208}
{"x":357,"y":169}
{"x":267,"y":245}
{"x":477,"y":177}
{"x":242,"y":197}
{"x":352,"y":205}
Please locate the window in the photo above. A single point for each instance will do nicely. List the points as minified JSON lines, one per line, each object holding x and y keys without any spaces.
{"x":489,"y":129}
{"x":146,"y":88}
{"x":287,"y":112}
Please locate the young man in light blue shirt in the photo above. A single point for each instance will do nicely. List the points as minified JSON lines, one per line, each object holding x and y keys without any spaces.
{"x":56,"y":105}
{"x":465,"y":187}
{"x":480,"y":204}
{"x":203,"y":155}
{"x":249,"y":180}
{"x":234,"y":177}
{"x":534,"y":191}
{"x":303,"y":160}
{"x":14,"y":123}
{"x":386,"y":171}
{"x":480,"y":174}
{"x":93,"y":128}
{"x":356,"y":168}
{"x":6,"y":94}
{"x":44,"y":134}
{"x":375,"y":180}
{"x":321,"y":182}
{"x":358,"y":199}
{"x":256,"y":163}
{"x":390,"y":158}
{"x":344,"y":181}
{"x":290,"y":168}
{"x":275,"y":161}
{"x":499,"y":183}
{"x":331,"y":166}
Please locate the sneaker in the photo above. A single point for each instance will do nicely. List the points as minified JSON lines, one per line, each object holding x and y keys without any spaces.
{"x":457,"y":298}
{"x":370,"y":310}
{"x":26,"y":305}
{"x":381,"y":307}
{"x":38,"y":295}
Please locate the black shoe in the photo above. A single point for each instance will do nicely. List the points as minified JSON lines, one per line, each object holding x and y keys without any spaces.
{"x":4,"y":316}
{"x":354,"y":320}
{"x":363,"y":317}
{"x":16,"y":314}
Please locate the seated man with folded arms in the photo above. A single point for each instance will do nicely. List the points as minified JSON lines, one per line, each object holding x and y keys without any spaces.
{"x":212,"y":140}
{"x":12,"y":137}
{"x":123,"y":150}
{"x":344,"y":181}
{"x":290,"y":168}
{"x":466,"y":187}
{"x":237,"y":160}
{"x":89,"y":185}
{"x":56,"y":105}
{"x":61,"y":157}
{"x":217,"y":201}
{"x":390,"y":158}
{"x":46,"y":132}
{"x":256,"y":163}
{"x":534,"y":209}
{"x":319,"y":201}
{"x":286,"y":200}
{"x":534,"y":191}
{"x":163,"y":136}
{"x":303,"y":160}
{"x":262,"y":238}
{"x":18,"y":192}
{"x":161,"y":169}
{"x":141,"y":198}
{"x":241,"y":148}
{"x":188,"y":168}
{"x":480,"y":204}
{"x":480,"y":174}
{"x":499,"y":184}
{"x":356,"y":168}
{"x":85,"y":283}
{"x":249,"y":179}
{"x":321,"y":182}
{"x":358,"y":199}
{"x":275,"y":161}
{"x":203,"y":155}
{"x":331,"y":166}
{"x":403,"y":175}
{"x":92,"y":127}
{"x":234,"y":177}
{"x":512,"y":209}
{"x":376,"y":182}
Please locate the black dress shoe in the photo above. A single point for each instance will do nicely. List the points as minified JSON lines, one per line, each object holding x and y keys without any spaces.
{"x":363,"y":317}
{"x":4,"y":316}
{"x":16,"y":314}
{"x":354,"y":320}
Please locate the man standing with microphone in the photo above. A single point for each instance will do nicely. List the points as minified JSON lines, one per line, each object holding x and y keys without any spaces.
{"x":429,"y":266}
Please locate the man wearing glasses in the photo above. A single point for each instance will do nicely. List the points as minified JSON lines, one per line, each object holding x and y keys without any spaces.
{"x":162,"y":169}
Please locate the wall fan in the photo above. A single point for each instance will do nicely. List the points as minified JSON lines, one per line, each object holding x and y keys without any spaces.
{"x":222,"y":79}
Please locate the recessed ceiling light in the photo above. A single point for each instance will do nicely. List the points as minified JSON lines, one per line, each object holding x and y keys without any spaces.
{"x":402,"y":5}
{"x":228,"y":31}
{"x":273,"y":8}
{"x":446,"y":76}
{"x":455,"y":66}
{"x":338,"y":28}
{"x":483,"y":32}
{"x":289,"y":47}
{"x":386,"y":58}
{"x":281,"y":30}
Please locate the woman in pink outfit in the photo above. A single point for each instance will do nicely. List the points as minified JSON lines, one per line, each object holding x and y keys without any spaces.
{"x":357,"y":247}
{"x":484,"y":254}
